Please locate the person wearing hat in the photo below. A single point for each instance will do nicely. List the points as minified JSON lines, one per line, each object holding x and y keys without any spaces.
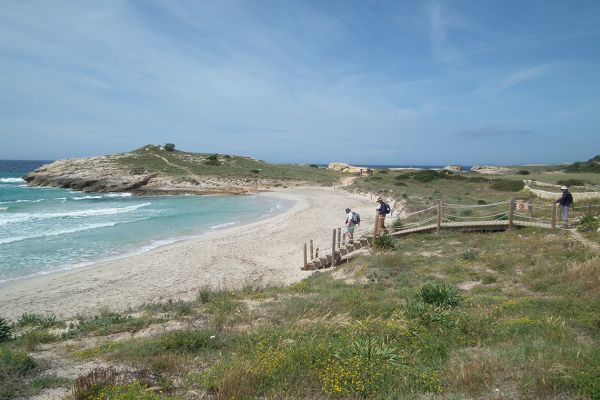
{"x":382,"y":211}
{"x":565,"y":201}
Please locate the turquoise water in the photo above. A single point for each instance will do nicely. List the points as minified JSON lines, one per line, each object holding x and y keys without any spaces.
{"x":44,"y":229}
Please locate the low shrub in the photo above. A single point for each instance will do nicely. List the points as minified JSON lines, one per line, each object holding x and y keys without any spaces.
{"x":15,"y":361}
{"x":469,"y":255}
{"x":400,"y":184}
{"x":215,"y":163}
{"x":38,"y":320}
{"x":314,"y":166}
{"x":213,"y":157}
{"x":589,"y":223}
{"x":385,"y":243}
{"x":506,"y":185}
{"x":30,"y":340}
{"x":190,"y":341}
{"x":481,"y":202}
{"x":523,"y":172}
{"x":466,"y":212}
{"x":397,"y":224}
{"x":383,"y":171}
{"x":5,"y":330}
{"x":440,"y":295}
{"x":15,"y":368}
{"x":421,"y":176}
{"x":255,"y":171}
{"x":427,"y":176}
{"x":169,"y":147}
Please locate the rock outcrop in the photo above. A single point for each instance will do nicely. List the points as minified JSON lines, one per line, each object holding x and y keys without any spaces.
{"x":343,"y":167}
{"x":490,"y":169}
{"x":454,"y":168}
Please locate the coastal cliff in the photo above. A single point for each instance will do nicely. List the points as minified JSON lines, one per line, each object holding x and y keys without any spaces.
{"x":152,"y":170}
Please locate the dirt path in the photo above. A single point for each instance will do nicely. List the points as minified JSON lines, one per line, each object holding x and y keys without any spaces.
{"x":176,"y":165}
{"x":588,"y":243}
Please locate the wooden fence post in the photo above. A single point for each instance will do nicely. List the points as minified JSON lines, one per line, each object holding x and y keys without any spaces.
{"x":339,"y":237}
{"x":305,"y":255}
{"x":530,"y":208}
{"x":589,"y":210}
{"x":376,"y":228}
{"x":333,"y":249}
{"x":511,"y":213}
{"x":312,"y":257}
{"x":439,"y":217}
{"x":553,"y":217}
{"x":317,"y":253}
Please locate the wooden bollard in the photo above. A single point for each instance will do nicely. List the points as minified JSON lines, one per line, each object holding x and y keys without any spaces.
{"x":530,"y":208}
{"x":376,"y":226}
{"x":305,"y":256}
{"x":439,"y":218}
{"x":511,"y":213}
{"x":312,"y":255}
{"x":339,"y":237}
{"x":333,"y":249}
{"x":553,"y":217}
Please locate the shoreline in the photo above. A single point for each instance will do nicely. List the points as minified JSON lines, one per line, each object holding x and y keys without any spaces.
{"x":260,"y":253}
{"x":143,"y":249}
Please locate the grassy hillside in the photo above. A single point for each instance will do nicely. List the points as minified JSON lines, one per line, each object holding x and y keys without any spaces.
{"x":178,"y":163}
{"x":509,"y":315}
{"x":426,"y":187}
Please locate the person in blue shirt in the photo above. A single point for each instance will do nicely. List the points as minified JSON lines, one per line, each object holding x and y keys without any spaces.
{"x":565,"y":201}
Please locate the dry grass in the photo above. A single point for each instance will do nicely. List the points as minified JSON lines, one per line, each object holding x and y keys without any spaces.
{"x":586,"y":275}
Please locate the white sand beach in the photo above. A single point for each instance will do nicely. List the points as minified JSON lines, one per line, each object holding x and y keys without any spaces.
{"x":266,"y":252}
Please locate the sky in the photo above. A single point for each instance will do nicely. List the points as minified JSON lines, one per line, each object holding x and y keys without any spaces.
{"x":365,"y":82}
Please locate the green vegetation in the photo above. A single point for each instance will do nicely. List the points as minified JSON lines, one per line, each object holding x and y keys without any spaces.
{"x":591,"y":165}
{"x":440,"y":295}
{"x":5,"y":330}
{"x":38,"y":321}
{"x":506,"y":185}
{"x":385,"y":242}
{"x":169,"y":147}
{"x":15,"y":368}
{"x":589,"y":223}
{"x":392,"y":323}
{"x":185,"y":165}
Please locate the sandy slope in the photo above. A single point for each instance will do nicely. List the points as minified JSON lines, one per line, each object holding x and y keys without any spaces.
{"x":265,"y":252}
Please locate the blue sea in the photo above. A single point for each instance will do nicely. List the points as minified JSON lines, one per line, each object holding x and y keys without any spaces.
{"x":43,"y":230}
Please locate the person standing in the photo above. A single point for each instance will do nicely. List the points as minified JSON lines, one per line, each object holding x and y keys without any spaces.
{"x":382,"y":211}
{"x":352,"y":220}
{"x":565,"y":201}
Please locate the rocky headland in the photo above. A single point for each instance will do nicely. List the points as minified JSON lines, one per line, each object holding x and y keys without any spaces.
{"x":153,"y":171}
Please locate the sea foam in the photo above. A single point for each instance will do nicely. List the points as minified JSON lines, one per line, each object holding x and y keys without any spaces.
{"x":22,"y":217}
{"x":67,"y":231}
{"x":11,"y":180}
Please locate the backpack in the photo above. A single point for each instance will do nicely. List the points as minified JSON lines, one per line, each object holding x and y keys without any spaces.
{"x":385,"y":208}
{"x":355,"y":218}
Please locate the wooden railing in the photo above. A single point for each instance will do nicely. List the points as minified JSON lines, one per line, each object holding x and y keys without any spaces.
{"x":503,"y":215}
